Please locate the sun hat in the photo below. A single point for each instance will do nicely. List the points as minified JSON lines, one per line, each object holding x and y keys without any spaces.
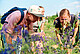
{"x":35,"y":10}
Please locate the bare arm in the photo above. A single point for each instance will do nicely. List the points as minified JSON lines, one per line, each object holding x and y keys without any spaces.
{"x":58,"y":36}
{"x":75,"y":32}
{"x":76,"y":28}
{"x":42,"y":26}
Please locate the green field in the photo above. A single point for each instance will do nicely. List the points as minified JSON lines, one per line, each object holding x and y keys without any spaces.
{"x":50,"y":34}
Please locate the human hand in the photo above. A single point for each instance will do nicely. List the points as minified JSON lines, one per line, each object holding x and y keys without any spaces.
{"x":42,"y":34}
{"x":34,"y":34}
{"x":73,"y":40}
{"x":61,"y":43}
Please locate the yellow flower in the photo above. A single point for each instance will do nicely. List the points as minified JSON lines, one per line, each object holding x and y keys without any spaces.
{"x":68,"y":45}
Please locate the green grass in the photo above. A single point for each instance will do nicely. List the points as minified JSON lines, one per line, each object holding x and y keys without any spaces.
{"x":48,"y":29}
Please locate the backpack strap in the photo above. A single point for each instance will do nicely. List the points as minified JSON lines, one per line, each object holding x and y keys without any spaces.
{"x":22,"y":16}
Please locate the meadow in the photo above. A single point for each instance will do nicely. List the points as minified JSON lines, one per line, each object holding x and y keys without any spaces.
{"x":50,"y":43}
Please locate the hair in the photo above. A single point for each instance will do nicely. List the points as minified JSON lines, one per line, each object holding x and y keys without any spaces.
{"x":41,"y":7}
{"x":63,"y":11}
{"x":40,"y":18}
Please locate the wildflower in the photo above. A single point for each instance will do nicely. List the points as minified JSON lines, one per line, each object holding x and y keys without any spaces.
{"x":71,"y":46}
{"x":62,"y":36}
{"x":41,"y":38}
{"x":12,"y":36}
{"x":54,"y":39}
{"x":9,"y":48}
{"x":15,"y":30}
{"x":25,"y":32}
{"x":25,"y":26}
{"x":73,"y":30}
{"x":57,"y":43}
{"x":54,"y":51}
{"x":5,"y":52}
{"x":52,"y":31}
{"x":65,"y":45}
{"x":42,"y":48}
{"x":32,"y":37}
{"x":38,"y":45}
{"x":65,"y":32}
{"x":20,"y":27}
{"x":48,"y":47}
{"x":37,"y":38}
{"x":12,"y":51}
{"x":37,"y":50}
{"x":23,"y":51}
{"x":18,"y":40}
{"x":45,"y":37}
{"x":68,"y":38}
{"x":71,"y":33}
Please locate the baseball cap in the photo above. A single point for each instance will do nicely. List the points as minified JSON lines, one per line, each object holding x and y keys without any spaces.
{"x":35,"y":10}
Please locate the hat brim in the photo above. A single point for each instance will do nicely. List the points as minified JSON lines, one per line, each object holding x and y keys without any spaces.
{"x":39,"y":15}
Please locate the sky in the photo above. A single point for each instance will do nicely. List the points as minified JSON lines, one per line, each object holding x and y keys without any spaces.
{"x":51,"y":6}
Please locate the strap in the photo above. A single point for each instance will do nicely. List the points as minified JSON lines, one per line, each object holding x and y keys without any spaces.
{"x":22,"y":16}
{"x":39,"y":24}
{"x":2,"y":41}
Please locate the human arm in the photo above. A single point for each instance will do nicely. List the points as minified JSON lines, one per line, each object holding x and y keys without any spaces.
{"x":12,"y":20}
{"x":42,"y":25}
{"x":58,"y":36}
{"x":56,"y":25}
{"x":75,"y":32}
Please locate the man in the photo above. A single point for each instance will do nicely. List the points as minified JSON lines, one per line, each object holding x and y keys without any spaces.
{"x":38,"y":26}
{"x":63,"y":24}
{"x":11,"y":34}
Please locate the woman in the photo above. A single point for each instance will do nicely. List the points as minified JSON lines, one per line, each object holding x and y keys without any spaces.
{"x":66,"y":27}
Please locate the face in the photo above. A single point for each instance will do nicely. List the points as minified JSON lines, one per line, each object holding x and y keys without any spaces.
{"x":33,"y":18}
{"x":64,"y":19}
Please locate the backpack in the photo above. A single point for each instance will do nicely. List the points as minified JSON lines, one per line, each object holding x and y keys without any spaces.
{"x":12,"y":10}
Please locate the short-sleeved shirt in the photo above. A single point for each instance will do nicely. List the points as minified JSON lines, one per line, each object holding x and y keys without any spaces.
{"x":13,"y":19}
{"x":67,"y":29}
